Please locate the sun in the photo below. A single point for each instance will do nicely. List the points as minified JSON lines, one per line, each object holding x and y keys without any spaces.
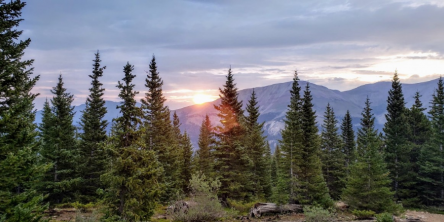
{"x":201,"y":98}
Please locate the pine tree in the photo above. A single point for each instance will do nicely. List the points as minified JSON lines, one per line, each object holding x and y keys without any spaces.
{"x":368,"y":184}
{"x":431,"y":161}
{"x":159,"y":132}
{"x":275,"y":166}
{"x":20,"y":164}
{"x":312,"y":188}
{"x":419,"y":134}
{"x":348,"y":141}
{"x":92,"y":158}
{"x":204,"y":155}
{"x":60,"y":147}
{"x":256,"y":146}
{"x":186,"y":166}
{"x":333,"y":160}
{"x":291,"y":144}
{"x":134,"y":170}
{"x":397,"y":150}
{"x":230,"y":162}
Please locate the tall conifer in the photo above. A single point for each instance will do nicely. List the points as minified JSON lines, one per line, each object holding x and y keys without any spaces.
{"x":290,"y":144}
{"x":397,"y":150}
{"x":256,"y":146}
{"x":368,"y":184}
{"x":134,"y":171}
{"x":333,"y":161}
{"x":229,"y":151}
{"x":348,"y":140}
{"x":20,"y":164}
{"x":204,"y":155}
{"x":431,"y":161}
{"x":92,"y":158}
{"x":159,"y":133}
{"x":60,"y":147}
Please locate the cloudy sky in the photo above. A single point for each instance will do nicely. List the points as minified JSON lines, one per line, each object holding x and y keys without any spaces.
{"x":336,"y":43}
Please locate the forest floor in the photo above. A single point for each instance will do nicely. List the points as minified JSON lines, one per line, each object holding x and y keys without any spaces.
{"x":70,"y":214}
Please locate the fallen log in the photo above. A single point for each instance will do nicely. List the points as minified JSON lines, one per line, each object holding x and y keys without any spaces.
{"x":271,"y":208}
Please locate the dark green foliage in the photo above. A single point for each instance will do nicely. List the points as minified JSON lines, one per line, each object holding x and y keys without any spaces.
{"x":158,"y":131}
{"x":312,"y":188}
{"x":133,"y":174}
{"x":431,"y":160}
{"x":291,"y":144}
{"x":204,"y":157}
{"x":368,"y":184}
{"x":231,"y":163}
{"x":348,"y":140}
{"x":60,"y":146}
{"x":333,"y":161}
{"x":20,"y":166}
{"x":419,"y":134}
{"x":186,"y":167}
{"x":397,"y":149}
{"x":257,"y":149}
{"x":92,"y":160}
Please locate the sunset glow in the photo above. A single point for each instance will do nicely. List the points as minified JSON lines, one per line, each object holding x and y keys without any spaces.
{"x":201,"y":98}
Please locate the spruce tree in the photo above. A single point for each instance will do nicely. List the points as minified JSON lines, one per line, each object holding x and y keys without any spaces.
{"x":230,"y":159}
{"x":134,"y":171}
{"x":419,"y":134}
{"x":431,"y":160}
{"x":186,"y":165}
{"x":368,"y":184}
{"x":257,"y":148}
{"x":204,"y":155}
{"x":92,"y":158}
{"x":159,"y":134}
{"x":60,"y":147}
{"x":348,"y":141}
{"x":312,"y":188}
{"x":333,"y":159}
{"x":20,"y":165}
{"x":291,"y":144}
{"x":397,"y":150}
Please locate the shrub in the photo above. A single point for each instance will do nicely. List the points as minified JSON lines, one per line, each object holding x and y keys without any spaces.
{"x":203,"y":206}
{"x":241,"y":207}
{"x":363,"y":214}
{"x":384,"y":217}
{"x":317,"y":214}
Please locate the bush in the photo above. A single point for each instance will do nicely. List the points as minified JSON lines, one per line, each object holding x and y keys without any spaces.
{"x":317,"y":214}
{"x":384,"y":217}
{"x":363,"y":214}
{"x":241,"y":207}
{"x":203,"y":206}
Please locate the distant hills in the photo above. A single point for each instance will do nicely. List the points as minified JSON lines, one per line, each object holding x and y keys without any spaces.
{"x":273,"y":101}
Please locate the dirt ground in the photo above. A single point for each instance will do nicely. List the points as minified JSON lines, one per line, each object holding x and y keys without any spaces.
{"x":425,"y":216}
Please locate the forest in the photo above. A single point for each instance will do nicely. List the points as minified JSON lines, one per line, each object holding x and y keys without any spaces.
{"x":146,"y":163}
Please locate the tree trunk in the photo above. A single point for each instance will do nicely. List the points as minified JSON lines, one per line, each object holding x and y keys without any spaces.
{"x":260,"y":208}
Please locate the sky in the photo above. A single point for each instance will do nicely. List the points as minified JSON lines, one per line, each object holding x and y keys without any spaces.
{"x":340,"y":44}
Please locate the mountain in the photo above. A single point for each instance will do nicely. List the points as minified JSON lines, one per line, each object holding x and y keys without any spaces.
{"x":273,"y":101}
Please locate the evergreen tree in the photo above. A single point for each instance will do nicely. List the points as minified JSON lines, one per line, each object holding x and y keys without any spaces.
{"x":275,"y":166}
{"x":348,"y":141}
{"x":206,"y":143}
{"x":419,"y":134}
{"x":134,"y":170}
{"x":92,"y":158}
{"x":159,"y":132}
{"x":333,"y":160}
{"x":397,"y":150}
{"x":60,"y":147}
{"x":368,"y":184}
{"x":291,"y":144}
{"x":20,"y":164}
{"x":230,"y":162}
{"x":256,"y":146}
{"x":312,"y":188}
{"x":431,"y":162}
{"x":186,"y":167}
